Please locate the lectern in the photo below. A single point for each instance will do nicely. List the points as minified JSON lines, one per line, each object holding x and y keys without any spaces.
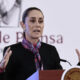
{"x":50,"y":74}
{"x":46,"y":75}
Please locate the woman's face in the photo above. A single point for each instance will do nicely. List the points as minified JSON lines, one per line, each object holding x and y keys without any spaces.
{"x":34,"y":24}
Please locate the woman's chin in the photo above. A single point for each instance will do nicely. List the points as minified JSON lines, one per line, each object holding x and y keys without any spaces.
{"x":36,"y":37}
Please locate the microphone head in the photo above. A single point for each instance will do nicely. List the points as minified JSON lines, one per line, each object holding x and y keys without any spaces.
{"x":63,"y":60}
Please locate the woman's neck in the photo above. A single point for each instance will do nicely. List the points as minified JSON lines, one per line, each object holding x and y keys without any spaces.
{"x":32,"y":40}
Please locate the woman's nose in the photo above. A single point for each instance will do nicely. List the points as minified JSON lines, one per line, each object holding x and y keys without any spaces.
{"x":37,"y":24}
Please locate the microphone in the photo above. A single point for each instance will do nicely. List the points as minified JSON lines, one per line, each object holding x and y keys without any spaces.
{"x":63,"y":60}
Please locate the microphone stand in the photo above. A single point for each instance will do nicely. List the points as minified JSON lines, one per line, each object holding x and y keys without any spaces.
{"x":65,"y":61}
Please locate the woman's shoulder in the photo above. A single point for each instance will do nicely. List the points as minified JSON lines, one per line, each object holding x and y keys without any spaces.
{"x":13,"y":46}
{"x":48,"y":49}
{"x":46,"y":44}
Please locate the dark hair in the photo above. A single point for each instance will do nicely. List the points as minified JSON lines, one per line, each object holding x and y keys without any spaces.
{"x":26,"y":12}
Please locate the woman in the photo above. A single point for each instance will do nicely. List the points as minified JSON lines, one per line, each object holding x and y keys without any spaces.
{"x":31,"y":54}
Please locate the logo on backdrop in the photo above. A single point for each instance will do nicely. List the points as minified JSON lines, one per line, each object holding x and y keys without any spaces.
{"x":71,"y":74}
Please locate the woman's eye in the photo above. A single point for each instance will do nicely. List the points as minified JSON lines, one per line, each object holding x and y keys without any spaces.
{"x":32,"y":21}
{"x":41,"y":21}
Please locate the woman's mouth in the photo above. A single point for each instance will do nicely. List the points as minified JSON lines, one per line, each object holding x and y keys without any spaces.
{"x":36,"y":30}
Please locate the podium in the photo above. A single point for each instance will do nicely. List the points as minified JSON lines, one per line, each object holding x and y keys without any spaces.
{"x":50,"y":74}
{"x":46,"y":75}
